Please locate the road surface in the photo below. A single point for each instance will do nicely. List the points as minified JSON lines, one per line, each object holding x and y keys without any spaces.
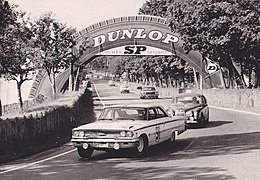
{"x":228,"y":148}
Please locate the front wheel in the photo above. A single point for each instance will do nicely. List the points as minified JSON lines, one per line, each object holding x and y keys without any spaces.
{"x":85,"y":153}
{"x":143,"y":145}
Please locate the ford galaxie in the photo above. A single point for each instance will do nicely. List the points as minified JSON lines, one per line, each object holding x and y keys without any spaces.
{"x":128,"y":126}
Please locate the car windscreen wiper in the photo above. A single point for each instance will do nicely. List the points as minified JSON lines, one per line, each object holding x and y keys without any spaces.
{"x":104,"y":119}
{"x":122,"y":118}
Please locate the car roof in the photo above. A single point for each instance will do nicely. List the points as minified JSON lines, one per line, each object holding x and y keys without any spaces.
{"x":133,"y":106}
{"x":187,"y":94}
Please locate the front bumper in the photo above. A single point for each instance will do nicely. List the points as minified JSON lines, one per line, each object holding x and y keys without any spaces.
{"x":125,"y":90}
{"x":191,"y":121}
{"x":149,"y":95}
{"x":106,"y":143}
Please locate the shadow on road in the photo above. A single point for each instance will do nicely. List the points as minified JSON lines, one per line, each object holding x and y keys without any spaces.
{"x":192,"y":148}
{"x":164,"y":161}
{"x":120,"y":99}
{"x":211,"y":124}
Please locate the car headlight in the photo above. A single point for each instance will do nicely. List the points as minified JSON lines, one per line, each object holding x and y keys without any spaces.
{"x":129,"y":134}
{"x":126,"y":134}
{"x":170,"y":111}
{"x":189,"y":113}
{"x":123,"y":133}
{"x":75,"y":133}
{"x":78,"y":133}
{"x":81,"y":133}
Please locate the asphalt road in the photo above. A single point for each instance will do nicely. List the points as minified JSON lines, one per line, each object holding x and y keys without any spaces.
{"x":228,"y":148}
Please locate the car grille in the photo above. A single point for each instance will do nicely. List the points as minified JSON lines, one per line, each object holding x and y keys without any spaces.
{"x":149,"y":93}
{"x":102,"y":134}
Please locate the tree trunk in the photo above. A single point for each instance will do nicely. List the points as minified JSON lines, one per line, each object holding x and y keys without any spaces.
{"x":195,"y":78}
{"x":1,"y":112}
{"x":76,"y":84}
{"x":20,"y":95}
{"x":71,"y":78}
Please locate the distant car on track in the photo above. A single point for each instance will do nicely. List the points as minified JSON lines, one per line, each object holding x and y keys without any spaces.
{"x":148,"y":92}
{"x":194,"y":105}
{"x":111,"y":83}
{"x":124,"y":88}
{"x":127,"y":127}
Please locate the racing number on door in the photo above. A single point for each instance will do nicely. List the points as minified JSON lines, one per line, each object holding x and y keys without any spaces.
{"x":157,"y":135}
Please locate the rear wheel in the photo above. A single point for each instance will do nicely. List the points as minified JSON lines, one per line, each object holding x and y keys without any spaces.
{"x":202,"y":122}
{"x":173,"y":136}
{"x":85,"y":153}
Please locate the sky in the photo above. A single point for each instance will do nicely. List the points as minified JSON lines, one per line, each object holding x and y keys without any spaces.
{"x":80,"y":13}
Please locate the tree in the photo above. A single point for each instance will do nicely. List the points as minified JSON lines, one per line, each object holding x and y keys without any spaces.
{"x":54,"y":41}
{"x":155,"y":8}
{"x":7,"y":17}
{"x":18,"y":53}
{"x":225,"y":31}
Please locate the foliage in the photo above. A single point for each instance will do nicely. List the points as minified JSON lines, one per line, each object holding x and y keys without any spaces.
{"x":226,"y":31}
{"x":54,"y":42}
{"x":155,"y":70}
{"x":7,"y":17}
{"x":7,"y":14}
{"x":18,"y":54}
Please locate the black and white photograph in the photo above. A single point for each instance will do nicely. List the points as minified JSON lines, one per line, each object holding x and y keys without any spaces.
{"x":130,"y":89}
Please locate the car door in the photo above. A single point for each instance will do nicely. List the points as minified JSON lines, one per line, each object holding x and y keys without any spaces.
{"x":156,"y":126}
{"x":167,"y":124}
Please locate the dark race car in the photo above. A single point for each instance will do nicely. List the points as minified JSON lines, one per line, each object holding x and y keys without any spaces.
{"x":194,"y":105}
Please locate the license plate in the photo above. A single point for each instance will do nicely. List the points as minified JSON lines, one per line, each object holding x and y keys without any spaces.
{"x":101,"y":145}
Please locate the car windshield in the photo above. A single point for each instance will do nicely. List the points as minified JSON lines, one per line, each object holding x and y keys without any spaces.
{"x":148,"y":89}
{"x":185,"y":100}
{"x":133,"y":113}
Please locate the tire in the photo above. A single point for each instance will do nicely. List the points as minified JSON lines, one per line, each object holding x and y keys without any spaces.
{"x":143,"y":145}
{"x":207,"y":120}
{"x":173,"y":137}
{"x":202,"y":122}
{"x":85,"y":153}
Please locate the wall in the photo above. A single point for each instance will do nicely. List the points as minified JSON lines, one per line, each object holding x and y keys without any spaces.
{"x":247,"y":99}
{"x":8,"y":91}
{"x":29,"y":134}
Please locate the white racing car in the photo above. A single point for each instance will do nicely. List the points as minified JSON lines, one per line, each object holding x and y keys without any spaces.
{"x":127,"y":126}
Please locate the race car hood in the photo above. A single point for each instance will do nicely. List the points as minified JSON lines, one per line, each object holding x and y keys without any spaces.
{"x":113,"y":125}
{"x":186,"y":107}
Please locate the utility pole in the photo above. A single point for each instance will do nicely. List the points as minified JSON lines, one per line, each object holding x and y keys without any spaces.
{"x":201,"y":77}
{"x":73,"y":58}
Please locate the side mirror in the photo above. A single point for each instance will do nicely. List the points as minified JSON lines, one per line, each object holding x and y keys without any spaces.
{"x":180,"y":113}
{"x":170,"y":112}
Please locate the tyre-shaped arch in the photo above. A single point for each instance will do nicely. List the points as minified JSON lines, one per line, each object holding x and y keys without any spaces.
{"x":124,"y":36}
